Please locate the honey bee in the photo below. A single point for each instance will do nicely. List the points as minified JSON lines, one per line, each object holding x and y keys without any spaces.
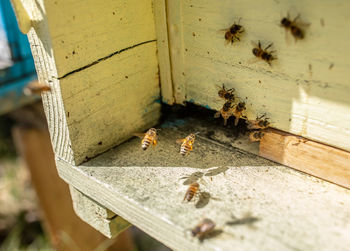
{"x":226,"y":94}
{"x":259,"y":123}
{"x":191,"y":191}
{"x":148,"y":138}
{"x":240,"y":107}
{"x":293,"y":26}
{"x":35,"y":87}
{"x":233,"y":32}
{"x":256,"y":136}
{"x":226,"y":112}
{"x":263,"y":53}
{"x":203,"y":229}
{"x":187,"y":144}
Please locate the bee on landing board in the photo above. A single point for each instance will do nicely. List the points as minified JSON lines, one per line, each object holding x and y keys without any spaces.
{"x":233,"y":33}
{"x":203,"y":229}
{"x":191,"y":191}
{"x":226,"y":94}
{"x":294,"y":26}
{"x":263,"y":53}
{"x":35,"y":87}
{"x":226,"y":112}
{"x":187,"y":144}
{"x":259,"y":123}
{"x":237,"y":112}
{"x":256,"y":136}
{"x":148,"y":138}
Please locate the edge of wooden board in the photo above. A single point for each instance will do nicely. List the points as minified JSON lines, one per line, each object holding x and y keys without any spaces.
{"x":320,"y":160}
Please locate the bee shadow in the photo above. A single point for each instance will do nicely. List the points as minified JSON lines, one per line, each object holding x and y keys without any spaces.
{"x":217,"y":171}
{"x":204,"y":198}
{"x":211,"y":234}
{"x":194,"y":177}
{"x":247,"y":220}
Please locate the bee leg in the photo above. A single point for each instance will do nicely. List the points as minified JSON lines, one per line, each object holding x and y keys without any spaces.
{"x":268,"y":46}
{"x":259,"y":44}
{"x":238,"y":38}
{"x":296,"y":18}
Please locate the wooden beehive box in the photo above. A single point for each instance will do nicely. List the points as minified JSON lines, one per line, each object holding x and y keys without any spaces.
{"x":112,"y":64}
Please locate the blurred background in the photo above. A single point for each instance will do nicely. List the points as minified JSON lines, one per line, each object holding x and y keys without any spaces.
{"x":36,"y":211}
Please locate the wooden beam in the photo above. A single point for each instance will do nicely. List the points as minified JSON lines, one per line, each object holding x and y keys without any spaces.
{"x":256,"y":203}
{"x":308,"y":156}
{"x":100,"y":60}
{"x":66,"y":230}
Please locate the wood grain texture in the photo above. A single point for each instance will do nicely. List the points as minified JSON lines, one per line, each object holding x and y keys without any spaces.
{"x":66,"y":230}
{"x":160,"y":19}
{"x":305,"y":92}
{"x":96,"y":215}
{"x":101,"y":63}
{"x":317,"y":159}
{"x":256,"y":203}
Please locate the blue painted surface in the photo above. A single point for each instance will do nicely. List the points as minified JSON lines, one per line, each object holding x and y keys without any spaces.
{"x":15,"y":77}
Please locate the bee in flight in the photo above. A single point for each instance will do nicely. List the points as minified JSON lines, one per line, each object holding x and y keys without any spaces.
{"x":263,"y":53}
{"x":187,"y":144}
{"x":191,"y":191}
{"x":226,"y":111}
{"x":233,"y":32}
{"x":294,"y":26}
{"x":238,"y":111}
{"x":259,"y":123}
{"x":35,"y":87}
{"x":148,"y":138}
{"x":256,"y":136}
{"x":203,"y":229}
{"x":226,"y":94}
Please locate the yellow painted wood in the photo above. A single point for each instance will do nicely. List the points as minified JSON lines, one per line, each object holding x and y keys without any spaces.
{"x":100,"y":59}
{"x":22,"y":16}
{"x":306,"y":92}
{"x":159,"y":7}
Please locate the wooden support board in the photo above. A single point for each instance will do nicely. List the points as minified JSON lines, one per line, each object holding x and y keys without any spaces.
{"x":305,"y":92}
{"x":66,"y":230}
{"x":308,"y":156}
{"x":256,"y":203}
{"x":100,"y":59}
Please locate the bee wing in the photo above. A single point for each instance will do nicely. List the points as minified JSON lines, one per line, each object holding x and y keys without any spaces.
{"x":253,"y":60}
{"x":252,"y":125}
{"x":140,"y":135}
{"x":180,"y":141}
{"x":217,"y":114}
{"x":288,"y":37}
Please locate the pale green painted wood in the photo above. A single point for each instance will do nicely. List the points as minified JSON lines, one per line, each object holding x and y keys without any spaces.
{"x":314,"y":103}
{"x":295,"y":211}
{"x":99,"y":217}
{"x":100,"y":59}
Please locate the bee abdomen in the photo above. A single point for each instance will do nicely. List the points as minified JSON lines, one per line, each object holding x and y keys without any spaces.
{"x":185,"y":149}
{"x":145,"y":143}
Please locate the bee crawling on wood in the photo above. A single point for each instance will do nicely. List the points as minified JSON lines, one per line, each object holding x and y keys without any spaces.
{"x":203,"y":229}
{"x":238,"y":111}
{"x":263,"y":53}
{"x":226,"y":94}
{"x":259,"y":123}
{"x":187,"y":144}
{"x":192,"y":191}
{"x":294,"y":26}
{"x":148,"y":138}
{"x":35,"y":87}
{"x":226,"y":111}
{"x":233,"y":32}
{"x":255,"y":136}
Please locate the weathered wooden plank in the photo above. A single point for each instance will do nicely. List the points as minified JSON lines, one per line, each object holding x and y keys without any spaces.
{"x":305,"y":92}
{"x":101,"y":218}
{"x":65,"y":229}
{"x":160,"y":18}
{"x":256,"y":203}
{"x":100,"y":61}
{"x":308,"y":156}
